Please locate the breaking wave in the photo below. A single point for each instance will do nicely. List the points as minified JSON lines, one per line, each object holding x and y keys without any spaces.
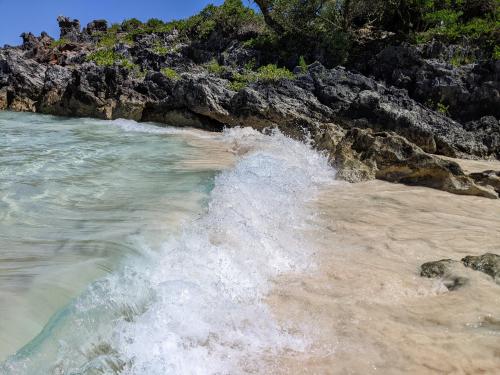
{"x":197,"y":306}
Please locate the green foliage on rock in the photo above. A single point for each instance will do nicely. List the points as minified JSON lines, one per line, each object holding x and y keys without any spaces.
{"x":59,"y":43}
{"x":302,"y":64}
{"x":214,"y":67}
{"x":443,"y":109}
{"x":108,"y":57}
{"x":131,"y":25}
{"x":108,"y":40}
{"x":496,"y":52}
{"x":266,"y":73}
{"x":104,"y":57}
{"x":229,"y":18}
{"x":272,"y":72}
{"x":160,"y":49}
{"x":170,"y":74}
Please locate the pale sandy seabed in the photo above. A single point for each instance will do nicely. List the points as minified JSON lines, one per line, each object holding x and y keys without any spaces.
{"x":365,"y":309}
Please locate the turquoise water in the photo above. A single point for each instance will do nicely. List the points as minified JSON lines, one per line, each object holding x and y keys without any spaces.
{"x":131,"y":249}
{"x":76,"y":196}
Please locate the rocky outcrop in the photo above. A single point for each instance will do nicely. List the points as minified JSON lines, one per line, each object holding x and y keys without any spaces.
{"x":70,"y":29}
{"x":487,"y":129}
{"x":363,"y":154}
{"x":467,"y":92}
{"x":96,"y":26}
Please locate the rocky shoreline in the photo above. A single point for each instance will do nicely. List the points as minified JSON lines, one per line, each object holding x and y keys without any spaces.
{"x":373,"y":117}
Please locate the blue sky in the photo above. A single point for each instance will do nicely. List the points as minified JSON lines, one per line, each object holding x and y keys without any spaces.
{"x":36,"y":16}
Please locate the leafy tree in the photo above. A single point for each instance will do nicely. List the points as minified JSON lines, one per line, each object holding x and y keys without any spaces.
{"x":324,"y":29}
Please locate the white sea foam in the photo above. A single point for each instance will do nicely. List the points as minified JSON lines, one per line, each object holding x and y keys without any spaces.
{"x":197,"y":306}
{"x":136,"y":127}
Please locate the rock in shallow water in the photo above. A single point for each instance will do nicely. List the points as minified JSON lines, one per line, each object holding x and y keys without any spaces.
{"x":449,"y":269}
{"x":438,"y":268}
{"x":446,"y":269}
{"x":486,"y":263}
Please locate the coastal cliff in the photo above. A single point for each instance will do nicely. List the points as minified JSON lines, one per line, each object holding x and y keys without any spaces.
{"x":380,"y":115}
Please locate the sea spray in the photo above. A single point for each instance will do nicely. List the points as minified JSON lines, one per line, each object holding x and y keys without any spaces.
{"x":196,"y":307}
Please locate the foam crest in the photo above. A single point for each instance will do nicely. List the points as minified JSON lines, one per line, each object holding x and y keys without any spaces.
{"x":197,"y":307}
{"x":136,"y":127}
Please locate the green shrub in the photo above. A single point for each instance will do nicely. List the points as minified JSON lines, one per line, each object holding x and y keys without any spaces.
{"x":115,"y":28}
{"x":326,"y":29}
{"x":302,"y":64}
{"x":214,"y":67}
{"x":267,"y":73}
{"x":271,"y":72}
{"x":108,"y":40}
{"x":160,"y":49}
{"x":59,"y":43}
{"x":104,"y":57}
{"x":131,"y":24}
{"x":170,"y":73}
{"x":443,"y":109}
{"x":228,"y":18}
{"x":250,"y":65}
{"x":496,"y":53}
{"x":237,"y":84}
{"x":108,"y":57}
{"x":461,"y":59}
{"x":155,"y":24}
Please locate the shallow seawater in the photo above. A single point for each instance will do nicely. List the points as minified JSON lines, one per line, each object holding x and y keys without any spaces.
{"x":128,"y":248}
{"x":366,"y":308}
{"x":132,"y":249}
{"x":77,"y":197}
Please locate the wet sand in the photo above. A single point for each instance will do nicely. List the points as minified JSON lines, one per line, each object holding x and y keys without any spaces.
{"x":365,"y":309}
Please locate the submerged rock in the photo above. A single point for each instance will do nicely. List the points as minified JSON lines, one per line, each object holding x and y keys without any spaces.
{"x":438,"y":268}
{"x":486,"y":263}
{"x":445,"y":269}
{"x":449,"y":270}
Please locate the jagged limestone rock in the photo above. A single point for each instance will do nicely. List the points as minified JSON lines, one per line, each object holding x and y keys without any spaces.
{"x":364,"y":154}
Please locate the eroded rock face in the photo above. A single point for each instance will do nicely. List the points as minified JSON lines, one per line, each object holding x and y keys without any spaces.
{"x":363,"y":102}
{"x":96,"y":26}
{"x":363,"y":154}
{"x":470,"y":91}
{"x":70,"y":29}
